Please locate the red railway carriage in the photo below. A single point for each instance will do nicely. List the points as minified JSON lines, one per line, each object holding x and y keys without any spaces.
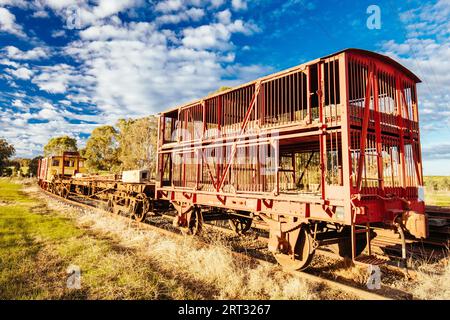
{"x":317,"y":154}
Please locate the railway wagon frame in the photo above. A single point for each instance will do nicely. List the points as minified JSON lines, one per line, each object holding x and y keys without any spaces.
{"x":284,"y":151}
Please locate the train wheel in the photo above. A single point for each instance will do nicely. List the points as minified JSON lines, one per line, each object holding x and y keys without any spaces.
{"x":302,"y":255}
{"x":141,"y":207}
{"x":240,"y":225}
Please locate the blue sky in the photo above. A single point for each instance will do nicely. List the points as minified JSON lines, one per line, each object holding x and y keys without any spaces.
{"x":70,"y":65}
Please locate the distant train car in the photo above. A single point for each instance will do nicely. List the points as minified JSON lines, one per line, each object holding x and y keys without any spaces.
{"x":54,"y":167}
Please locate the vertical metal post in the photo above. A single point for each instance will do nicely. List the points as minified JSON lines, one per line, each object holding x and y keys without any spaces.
{"x":345,"y":136}
{"x":323,"y":136}
{"x":401,"y":133}
{"x":39,"y":169}
{"x":62,"y":168}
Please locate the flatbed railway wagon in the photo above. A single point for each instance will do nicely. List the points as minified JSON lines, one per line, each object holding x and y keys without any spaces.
{"x":54,"y":168}
{"x":319,"y":154}
{"x":131,"y":192}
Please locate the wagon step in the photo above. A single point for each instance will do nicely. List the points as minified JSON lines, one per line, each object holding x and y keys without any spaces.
{"x":367,"y":260}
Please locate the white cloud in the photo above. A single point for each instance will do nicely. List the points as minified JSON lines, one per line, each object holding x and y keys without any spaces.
{"x":239,"y":4}
{"x":20,"y":73}
{"x":216,"y":35}
{"x":122,"y":69}
{"x":82,"y":13}
{"x":14,"y":3}
{"x":169,"y":5}
{"x":7,"y":62}
{"x":58,"y":33}
{"x":33,"y":54}
{"x":138,"y":69}
{"x":59,"y":78}
{"x":8,"y":23}
{"x":40,"y":14}
{"x":426,"y":51}
{"x":424,"y":55}
{"x":224,"y":16}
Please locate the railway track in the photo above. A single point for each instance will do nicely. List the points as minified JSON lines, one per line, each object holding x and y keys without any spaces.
{"x":253,"y":255}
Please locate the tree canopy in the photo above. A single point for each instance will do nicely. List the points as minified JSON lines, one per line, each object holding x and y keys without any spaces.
{"x":223,"y":88}
{"x":6,"y":151}
{"x":137,"y":142}
{"x":34,"y":164}
{"x":57,"y":145}
{"x":101,"y":151}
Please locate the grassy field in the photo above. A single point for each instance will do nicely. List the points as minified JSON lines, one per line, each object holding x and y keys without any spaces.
{"x":37,"y":245}
{"x":437,"y":192}
{"x":40,"y":238}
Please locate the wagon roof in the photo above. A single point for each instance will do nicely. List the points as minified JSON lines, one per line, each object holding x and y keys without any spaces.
{"x":381,"y":57}
{"x":375,"y":55}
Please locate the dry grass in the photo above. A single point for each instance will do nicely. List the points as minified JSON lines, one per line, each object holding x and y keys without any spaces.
{"x":432,"y":282}
{"x":38,"y":244}
{"x":212,"y":270}
{"x":209,"y":272}
{"x":121,"y":261}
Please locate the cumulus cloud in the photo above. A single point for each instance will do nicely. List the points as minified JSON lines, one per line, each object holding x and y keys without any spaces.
{"x":8,"y":23}
{"x":216,"y":35}
{"x":114,"y":69}
{"x":33,"y":54}
{"x":60,"y":78}
{"x":423,"y":51}
{"x":239,"y":4}
{"x":193,"y":14}
{"x":20,"y":73}
{"x":79,"y":14}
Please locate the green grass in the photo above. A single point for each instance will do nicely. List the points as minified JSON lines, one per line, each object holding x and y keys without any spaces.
{"x":437,"y":191}
{"x":37,"y":245}
{"x":437,"y":198}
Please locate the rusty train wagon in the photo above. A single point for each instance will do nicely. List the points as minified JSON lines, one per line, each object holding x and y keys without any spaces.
{"x":52,"y":168}
{"x":131,"y":192}
{"x":319,"y":154}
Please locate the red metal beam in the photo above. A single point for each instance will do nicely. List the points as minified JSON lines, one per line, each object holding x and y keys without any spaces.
{"x":362,"y":144}
{"x":243,"y":127}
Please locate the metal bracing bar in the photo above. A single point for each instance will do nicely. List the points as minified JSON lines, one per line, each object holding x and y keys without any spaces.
{"x":362,"y":145}
{"x":379,"y":143}
{"x":243,"y":127}
{"x":306,"y":167}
